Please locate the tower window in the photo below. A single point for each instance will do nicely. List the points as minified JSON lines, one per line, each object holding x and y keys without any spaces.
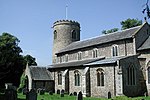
{"x":77,"y":78}
{"x":100,"y":77}
{"x":115,"y":50}
{"x":74,"y":34}
{"x":55,"y":34}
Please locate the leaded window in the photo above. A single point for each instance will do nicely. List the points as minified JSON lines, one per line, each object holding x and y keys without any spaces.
{"x":100,"y":77}
{"x":77,"y":78}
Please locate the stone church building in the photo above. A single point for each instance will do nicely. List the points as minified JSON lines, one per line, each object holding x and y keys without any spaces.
{"x":114,"y":64}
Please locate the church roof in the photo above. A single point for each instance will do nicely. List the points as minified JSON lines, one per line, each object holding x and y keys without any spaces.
{"x":75,"y":63}
{"x":146,"y":44}
{"x":124,"y":34}
{"x":108,"y":60}
{"x":40,"y":73}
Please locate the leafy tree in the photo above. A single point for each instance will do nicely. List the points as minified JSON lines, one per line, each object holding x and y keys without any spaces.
{"x":110,"y":31}
{"x":11,"y":62}
{"x":30,"y":60}
{"x":130,"y":23}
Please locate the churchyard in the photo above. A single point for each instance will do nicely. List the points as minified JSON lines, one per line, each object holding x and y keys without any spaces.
{"x":11,"y":93}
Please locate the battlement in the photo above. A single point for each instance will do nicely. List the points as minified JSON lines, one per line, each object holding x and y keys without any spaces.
{"x":69,"y":22}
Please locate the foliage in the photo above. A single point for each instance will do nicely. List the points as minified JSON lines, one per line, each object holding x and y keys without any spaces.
{"x":22,"y":82}
{"x":130,"y":23}
{"x":11,"y":62}
{"x":110,"y":31}
{"x":30,"y":60}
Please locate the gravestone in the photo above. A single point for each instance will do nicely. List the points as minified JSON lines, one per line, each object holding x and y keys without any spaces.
{"x":109,"y":95}
{"x":80,"y":97}
{"x":70,"y":94}
{"x":25,"y":91}
{"x":58,"y":91}
{"x":75,"y":93}
{"x":62,"y":93}
{"x":50,"y":92}
{"x":32,"y":95}
{"x":10,"y":94}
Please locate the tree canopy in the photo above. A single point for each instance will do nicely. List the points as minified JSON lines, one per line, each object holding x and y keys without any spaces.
{"x":130,"y":23}
{"x":12,"y":62}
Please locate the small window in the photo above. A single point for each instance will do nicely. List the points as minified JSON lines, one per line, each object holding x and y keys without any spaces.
{"x":74,"y":34}
{"x":55,"y":34}
{"x":131,"y":78}
{"x":66,"y":57}
{"x":95,"y":53}
{"x":115,"y":50}
{"x":59,"y":78}
{"x":77,"y":78}
{"x":86,"y":53}
{"x":100,"y":77}
{"x":79,"y":55}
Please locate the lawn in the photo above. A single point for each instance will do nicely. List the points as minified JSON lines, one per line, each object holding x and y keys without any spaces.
{"x":57,"y":97}
{"x":66,"y":97}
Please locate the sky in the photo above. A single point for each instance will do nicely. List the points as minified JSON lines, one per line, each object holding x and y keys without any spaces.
{"x":31,"y":21}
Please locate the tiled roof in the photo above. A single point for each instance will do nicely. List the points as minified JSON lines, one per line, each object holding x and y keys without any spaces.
{"x":125,"y":34}
{"x":75,"y":63}
{"x":146,"y":44}
{"x":40,"y":73}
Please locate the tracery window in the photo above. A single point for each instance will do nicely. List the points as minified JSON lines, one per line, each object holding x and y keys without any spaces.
{"x":77,"y":78}
{"x":131,"y":75}
{"x":100,"y":77}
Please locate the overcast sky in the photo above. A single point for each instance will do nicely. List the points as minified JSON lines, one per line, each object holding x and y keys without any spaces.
{"x":31,"y":20}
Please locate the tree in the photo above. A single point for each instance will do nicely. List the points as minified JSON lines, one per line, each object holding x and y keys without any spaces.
{"x":130,"y":23}
{"x":11,"y":62}
{"x":110,"y":31}
{"x":30,"y":60}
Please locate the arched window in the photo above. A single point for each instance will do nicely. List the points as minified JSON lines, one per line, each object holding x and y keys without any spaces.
{"x":66,"y":58}
{"x":131,"y":78}
{"x":100,"y":77}
{"x":77,"y":78}
{"x":79,"y":56}
{"x":95,"y":53}
{"x":74,"y":34}
{"x":59,"y":78}
{"x":115,"y":50}
{"x":55,"y":34}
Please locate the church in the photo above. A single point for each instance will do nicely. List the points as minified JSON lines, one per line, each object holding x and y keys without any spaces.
{"x":114,"y":64}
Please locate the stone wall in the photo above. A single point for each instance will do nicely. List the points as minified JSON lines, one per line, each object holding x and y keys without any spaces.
{"x":102,"y":91}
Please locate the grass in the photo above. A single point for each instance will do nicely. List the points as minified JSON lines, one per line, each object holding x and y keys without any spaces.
{"x":46,"y":96}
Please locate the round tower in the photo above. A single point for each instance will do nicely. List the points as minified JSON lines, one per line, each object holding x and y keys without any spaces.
{"x":64,"y":33}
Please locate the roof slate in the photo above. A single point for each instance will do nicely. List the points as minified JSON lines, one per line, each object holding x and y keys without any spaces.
{"x":40,"y":73}
{"x":125,"y":34}
{"x":146,"y":44}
